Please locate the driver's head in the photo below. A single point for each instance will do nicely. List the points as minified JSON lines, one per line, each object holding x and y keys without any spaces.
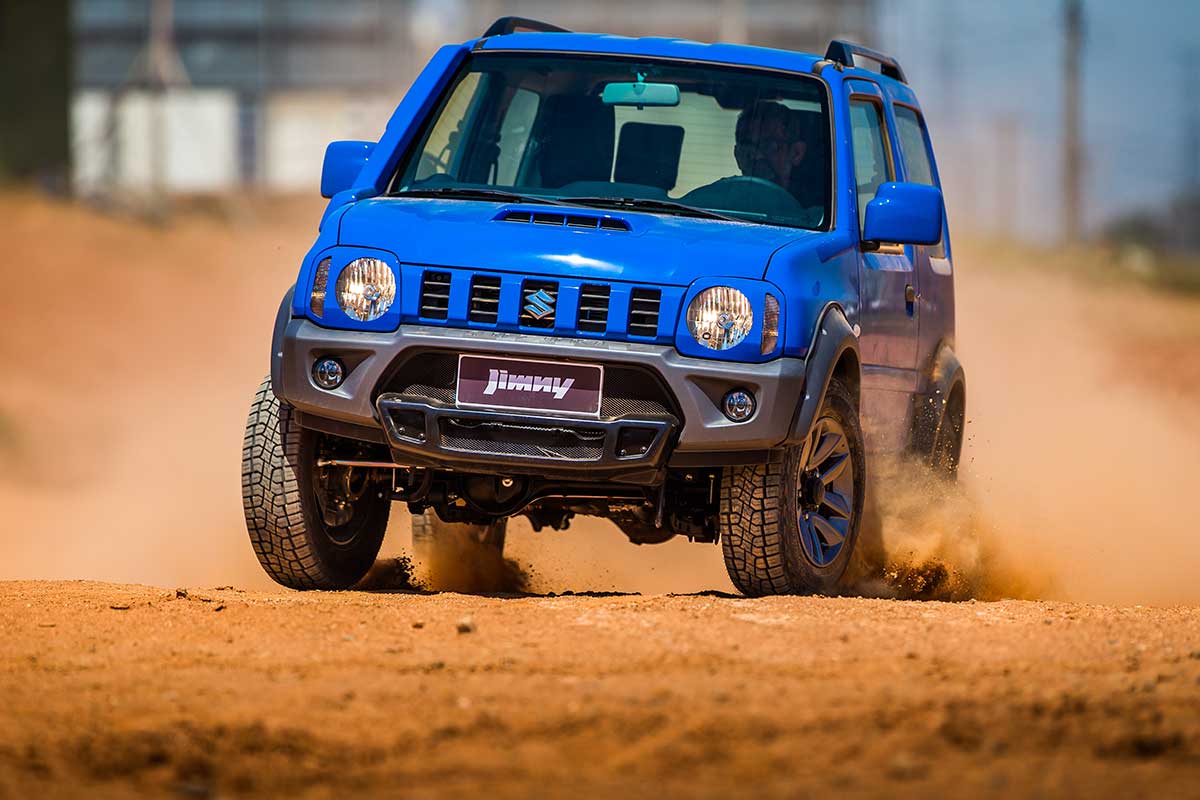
{"x":768,"y":142}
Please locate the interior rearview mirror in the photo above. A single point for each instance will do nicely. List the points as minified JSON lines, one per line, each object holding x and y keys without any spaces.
{"x":640,"y":94}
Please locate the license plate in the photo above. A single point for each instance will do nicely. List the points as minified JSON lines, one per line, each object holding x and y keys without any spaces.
{"x":526,"y":385}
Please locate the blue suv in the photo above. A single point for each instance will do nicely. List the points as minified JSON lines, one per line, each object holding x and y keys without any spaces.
{"x":692,"y":288}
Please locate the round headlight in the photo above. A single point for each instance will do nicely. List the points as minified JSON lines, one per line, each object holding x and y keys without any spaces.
{"x":366,"y":289}
{"x":720,"y":317}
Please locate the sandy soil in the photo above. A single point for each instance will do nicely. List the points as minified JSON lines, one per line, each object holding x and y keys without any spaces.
{"x":123,"y":690}
{"x":127,"y":379}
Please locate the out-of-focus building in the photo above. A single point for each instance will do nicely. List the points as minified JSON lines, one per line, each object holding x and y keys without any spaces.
{"x":249,"y":92}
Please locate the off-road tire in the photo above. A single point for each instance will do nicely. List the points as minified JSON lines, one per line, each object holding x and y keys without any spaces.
{"x":758,"y":526}
{"x":289,"y":536}
{"x":428,"y":530}
{"x":946,"y":451}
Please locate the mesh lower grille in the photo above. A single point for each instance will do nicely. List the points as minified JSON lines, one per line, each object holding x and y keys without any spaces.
{"x":628,"y":390}
{"x":566,"y":443}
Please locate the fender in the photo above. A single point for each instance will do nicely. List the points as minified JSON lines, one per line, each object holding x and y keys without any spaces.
{"x":282,"y":318}
{"x":832,"y":337}
{"x":945,"y":372}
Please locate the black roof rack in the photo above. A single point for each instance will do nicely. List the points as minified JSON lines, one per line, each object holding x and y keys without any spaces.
{"x":506,"y":25}
{"x":844,"y":53}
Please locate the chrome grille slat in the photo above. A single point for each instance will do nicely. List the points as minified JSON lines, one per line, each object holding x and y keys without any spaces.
{"x":644,"y":305}
{"x":435,"y":295}
{"x":484,"y":299}
{"x":593,"y":308}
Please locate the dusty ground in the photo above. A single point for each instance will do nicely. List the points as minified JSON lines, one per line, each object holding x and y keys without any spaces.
{"x":131,"y":352}
{"x":123,"y":690}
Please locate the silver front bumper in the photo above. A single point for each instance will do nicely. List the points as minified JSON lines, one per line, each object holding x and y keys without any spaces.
{"x":698,"y":385}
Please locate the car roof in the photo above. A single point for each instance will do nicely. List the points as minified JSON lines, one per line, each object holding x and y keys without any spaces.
{"x":652,"y":47}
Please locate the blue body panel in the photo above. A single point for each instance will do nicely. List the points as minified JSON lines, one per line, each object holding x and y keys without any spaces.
{"x":808,"y":271}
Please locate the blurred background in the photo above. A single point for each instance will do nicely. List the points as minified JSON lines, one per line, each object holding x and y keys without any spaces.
{"x":1052,"y":119}
{"x":159,"y":163}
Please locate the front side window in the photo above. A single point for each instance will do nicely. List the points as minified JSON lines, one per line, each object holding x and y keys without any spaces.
{"x":661,"y":136}
{"x":872,"y":167}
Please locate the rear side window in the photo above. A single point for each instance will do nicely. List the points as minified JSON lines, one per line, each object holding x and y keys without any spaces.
{"x":872,"y":167}
{"x":914,"y":145}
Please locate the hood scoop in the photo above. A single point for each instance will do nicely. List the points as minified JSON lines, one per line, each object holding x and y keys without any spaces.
{"x":563,"y":220}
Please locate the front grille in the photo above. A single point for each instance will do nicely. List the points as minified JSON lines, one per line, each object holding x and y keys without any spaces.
{"x":435,"y":295}
{"x":538,"y":302}
{"x":593,"y":308}
{"x":489,"y":437}
{"x":485,"y":299}
{"x":643,"y":312}
{"x":628,"y":391}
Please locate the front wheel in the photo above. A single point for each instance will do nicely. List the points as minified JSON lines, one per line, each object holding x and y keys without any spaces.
{"x":312,"y":526}
{"x":792,"y":527}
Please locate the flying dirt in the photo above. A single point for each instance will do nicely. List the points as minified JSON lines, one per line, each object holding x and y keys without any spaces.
{"x":120,"y":435}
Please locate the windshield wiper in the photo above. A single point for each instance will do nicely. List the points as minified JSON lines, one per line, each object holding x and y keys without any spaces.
{"x":473,"y":193}
{"x":644,"y":204}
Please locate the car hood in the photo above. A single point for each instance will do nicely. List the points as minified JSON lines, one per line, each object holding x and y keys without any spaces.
{"x":660,"y":249}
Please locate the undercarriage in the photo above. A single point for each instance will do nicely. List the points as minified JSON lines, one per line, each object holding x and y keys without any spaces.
{"x":683,"y":503}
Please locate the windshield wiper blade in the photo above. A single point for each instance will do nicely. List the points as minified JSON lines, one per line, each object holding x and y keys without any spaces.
{"x":645,"y":204}
{"x":472,"y":193}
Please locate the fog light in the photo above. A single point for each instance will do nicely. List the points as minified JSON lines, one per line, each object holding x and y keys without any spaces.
{"x":329,"y":373}
{"x":738,"y":404}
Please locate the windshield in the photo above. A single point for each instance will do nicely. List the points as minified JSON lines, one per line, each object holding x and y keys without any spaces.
{"x":659,"y":136}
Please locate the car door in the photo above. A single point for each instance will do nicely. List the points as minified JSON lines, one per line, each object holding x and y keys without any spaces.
{"x":887,"y":284}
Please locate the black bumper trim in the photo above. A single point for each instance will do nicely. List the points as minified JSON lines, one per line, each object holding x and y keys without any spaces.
{"x":415,"y":433}
{"x":346,"y":430}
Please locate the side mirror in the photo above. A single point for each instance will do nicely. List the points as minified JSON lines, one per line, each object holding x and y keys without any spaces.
{"x":904,"y":213}
{"x":343,"y":162}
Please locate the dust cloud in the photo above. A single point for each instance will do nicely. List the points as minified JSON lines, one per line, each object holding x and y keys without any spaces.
{"x":129,"y":374}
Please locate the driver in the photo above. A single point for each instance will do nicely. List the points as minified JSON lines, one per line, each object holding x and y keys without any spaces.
{"x":767,"y":142}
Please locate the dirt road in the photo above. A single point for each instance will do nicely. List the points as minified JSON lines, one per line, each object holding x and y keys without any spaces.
{"x":121,"y":418}
{"x":121,"y":690}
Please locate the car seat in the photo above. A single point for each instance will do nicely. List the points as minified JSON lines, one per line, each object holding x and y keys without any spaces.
{"x":577,"y":134}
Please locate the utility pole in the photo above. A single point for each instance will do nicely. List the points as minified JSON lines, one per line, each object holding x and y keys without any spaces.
{"x":1073,"y":157}
{"x":954,"y":119}
{"x":1190,"y":62}
{"x":1008,"y":174}
{"x":732,"y":22}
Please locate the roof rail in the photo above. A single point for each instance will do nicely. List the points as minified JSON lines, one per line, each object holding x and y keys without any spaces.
{"x":506,"y":25}
{"x":844,"y":53}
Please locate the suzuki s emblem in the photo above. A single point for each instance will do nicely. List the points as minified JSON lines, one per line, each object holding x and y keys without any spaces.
{"x":540,"y":304}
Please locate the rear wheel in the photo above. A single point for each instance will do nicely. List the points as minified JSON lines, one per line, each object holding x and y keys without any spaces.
{"x":946,"y":451}
{"x":311,"y":526}
{"x":792,"y":527}
{"x":462,"y":557}
{"x":429,"y":533}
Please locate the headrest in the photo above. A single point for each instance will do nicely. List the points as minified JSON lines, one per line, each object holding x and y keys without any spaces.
{"x":577,"y":140}
{"x":649,"y":154}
